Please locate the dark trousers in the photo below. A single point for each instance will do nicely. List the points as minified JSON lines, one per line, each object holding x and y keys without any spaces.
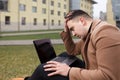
{"x":40,"y":74}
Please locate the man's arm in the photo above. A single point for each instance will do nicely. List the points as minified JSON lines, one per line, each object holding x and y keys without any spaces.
{"x":71,"y":47}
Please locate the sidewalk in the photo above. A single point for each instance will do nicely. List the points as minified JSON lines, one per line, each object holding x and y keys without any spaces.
{"x":28,"y":42}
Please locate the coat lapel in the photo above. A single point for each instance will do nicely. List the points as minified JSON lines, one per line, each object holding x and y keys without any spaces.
{"x":85,"y":47}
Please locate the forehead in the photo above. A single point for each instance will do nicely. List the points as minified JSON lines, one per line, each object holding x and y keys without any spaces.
{"x":70,"y":22}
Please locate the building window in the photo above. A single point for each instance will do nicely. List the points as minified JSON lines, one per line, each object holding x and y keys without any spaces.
{"x":59,"y":5}
{"x":59,"y":22}
{"x":34,"y":9}
{"x":52,"y":22}
{"x":65,"y":6}
{"x":44,"y":22}
{"x":64,"y":14}
{"x":22,"y":7}
{"x":23,"y":21}
{"x":44,"y":1}
{"x":85,"y":6}
{"x":35,"y":0}
{"x":4,"y":5}
{"x":81,"y":5}
{"x":52,"y":3}
{"x":52,"y":12}
{"x":7,"y":20}
{"x":58,"y":13}
{"x":35,"y":21}
{"x":44,"y":10}
{"x":117,"y":17}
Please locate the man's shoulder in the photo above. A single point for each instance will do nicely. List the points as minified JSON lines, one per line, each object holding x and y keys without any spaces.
{"x":102,"y":27}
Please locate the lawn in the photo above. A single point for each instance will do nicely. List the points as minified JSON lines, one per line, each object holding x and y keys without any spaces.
{"x":20,"y":61}
{"x":33,"y":36}
{"x":32,"y":31}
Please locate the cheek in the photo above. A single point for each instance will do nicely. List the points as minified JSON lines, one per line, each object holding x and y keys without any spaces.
{"x":79,"y":31}
{"x":76,"y":31}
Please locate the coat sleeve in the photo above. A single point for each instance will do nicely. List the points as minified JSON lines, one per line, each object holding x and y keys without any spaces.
{"x":71,"y":47}
{"x":107,"y":44}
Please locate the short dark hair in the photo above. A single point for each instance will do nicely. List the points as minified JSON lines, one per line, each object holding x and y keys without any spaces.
{"x":74,"y":13}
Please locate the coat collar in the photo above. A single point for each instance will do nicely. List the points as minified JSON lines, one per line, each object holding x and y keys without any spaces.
{"x":92,"y":27}
{"x":95,"y":23}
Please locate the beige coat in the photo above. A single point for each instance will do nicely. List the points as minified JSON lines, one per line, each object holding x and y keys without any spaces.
{"x":100,"y":51}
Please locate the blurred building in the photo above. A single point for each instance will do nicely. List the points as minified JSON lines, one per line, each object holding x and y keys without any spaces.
{"x":102,"y":16}
{"x":113,"y":12}
{"x":86,"y":5}
{"x":26,"y":15}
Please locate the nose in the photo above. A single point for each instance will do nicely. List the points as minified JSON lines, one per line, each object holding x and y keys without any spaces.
{"x":73,"y":33}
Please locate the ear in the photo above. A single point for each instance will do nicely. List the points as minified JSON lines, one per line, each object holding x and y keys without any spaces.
{"x":83,"y":21}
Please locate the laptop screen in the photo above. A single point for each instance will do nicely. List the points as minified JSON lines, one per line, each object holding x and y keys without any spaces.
{"x":44,"y":50}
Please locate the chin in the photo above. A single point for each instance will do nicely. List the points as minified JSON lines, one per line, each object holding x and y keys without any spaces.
{"x":81,"y":37}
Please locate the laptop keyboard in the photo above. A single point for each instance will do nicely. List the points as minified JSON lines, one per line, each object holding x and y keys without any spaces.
{"x":59,"y":59}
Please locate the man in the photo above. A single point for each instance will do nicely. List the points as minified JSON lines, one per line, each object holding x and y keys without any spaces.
{"x":99,"y":46}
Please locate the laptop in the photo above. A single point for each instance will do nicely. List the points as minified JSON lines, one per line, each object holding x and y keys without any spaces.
{"x":46,"y":52}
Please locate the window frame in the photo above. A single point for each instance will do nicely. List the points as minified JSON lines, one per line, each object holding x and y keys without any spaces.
{"x":34,"y":9}
{"x":22,"y":7}
{"x":35,"y":21}
{"x":7,"y":20}
{"x":44,"y":22}
{"x":23,"y":20}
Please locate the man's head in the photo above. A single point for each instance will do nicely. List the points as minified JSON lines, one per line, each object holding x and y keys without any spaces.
{"x":75,"y":13}
{"x":78,"y":22}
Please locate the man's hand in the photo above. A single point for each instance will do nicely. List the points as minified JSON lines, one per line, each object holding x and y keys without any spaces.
{"x":66,"y":26}
{"x":57,"y":68}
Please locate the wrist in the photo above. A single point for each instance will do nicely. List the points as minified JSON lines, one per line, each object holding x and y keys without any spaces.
{"x":68,"y":72}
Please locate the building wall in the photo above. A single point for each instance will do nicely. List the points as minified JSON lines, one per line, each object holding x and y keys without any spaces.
{"x":13,"y":13}
{"x":102,"y":16}
{"x":110,"y":17}
{"x":16,"y":15}
{"x":116,"y":11}
{"x":75,"y":4}
{"x":61,"y":7}
{"x":116,"y":7}
{"x":64,"y":8}
{"x":85,"y":5}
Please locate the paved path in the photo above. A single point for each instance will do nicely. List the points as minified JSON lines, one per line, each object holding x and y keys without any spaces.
{"x":28,"y":42}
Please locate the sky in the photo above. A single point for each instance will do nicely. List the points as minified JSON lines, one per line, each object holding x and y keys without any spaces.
{"x":100,"y":6}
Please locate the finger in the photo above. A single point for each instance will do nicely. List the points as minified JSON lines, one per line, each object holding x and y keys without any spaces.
{"x":52,"y":62}
{"x":53,"y":73}
{"x":49,"y":65}
{"x":67,"y":20}
{"x":50,"y":69}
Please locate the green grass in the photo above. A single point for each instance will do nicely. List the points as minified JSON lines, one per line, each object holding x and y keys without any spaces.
{"x":35,"y":36}
{"x":20,"y":61}
{"x":32,"y":31}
